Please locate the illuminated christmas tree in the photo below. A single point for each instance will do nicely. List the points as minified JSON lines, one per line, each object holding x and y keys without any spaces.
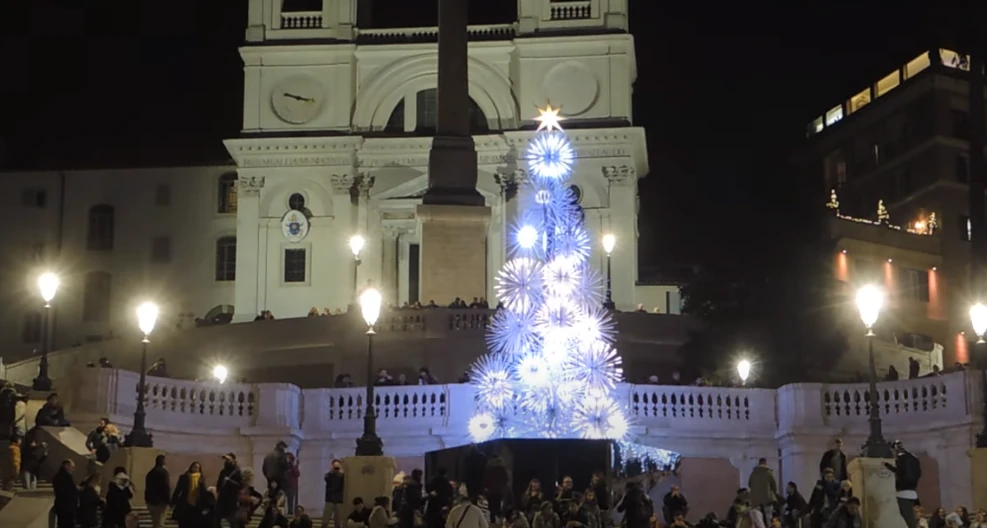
{"x":552,"y":368}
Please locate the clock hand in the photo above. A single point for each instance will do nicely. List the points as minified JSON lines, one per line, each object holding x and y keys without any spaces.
{"x":293,"y":96}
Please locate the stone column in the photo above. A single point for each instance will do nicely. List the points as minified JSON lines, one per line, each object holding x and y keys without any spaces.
{"x":370,"y":257}
{"x":389,"y":264}
{"x":873,"y":484}
{"x":623,"y":224}
{"x":248,"y":223}
{"x":345,"y":224}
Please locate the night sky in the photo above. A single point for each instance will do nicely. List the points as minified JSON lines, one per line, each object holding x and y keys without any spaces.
{"x":724,"y":92}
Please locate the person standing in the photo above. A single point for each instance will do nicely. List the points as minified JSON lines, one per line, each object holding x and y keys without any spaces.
{"x":276,"y":464}
{"x":90,"y":501}
{"x":907,"y":472}
{"x":118,"y":495}
{"x":228,"y":487}
{"x":439,"y":497}
{"x":466,"y":515}
{"x":764,"y":488}
{"x":190,"y":492}
{"x":157,"y":491}
{"x":33,"y":455}
{"x":599,"y":484}
{"x":291,"y":482}
{"x":66,"y":495}
{"x":334,"y":496}
{"x":835,"y":459}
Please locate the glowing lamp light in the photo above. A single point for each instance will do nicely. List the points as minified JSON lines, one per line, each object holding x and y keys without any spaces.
{"x":744,"y":370}
{"x":978,"y":316}
{"x":609,"y":241}
{"x":527,"y":236}
{"x":844,"y":252}
{"x":870,"y":300}
{"x":147,"y":315}
{"x":219,"y":372}
{"x":481,"y":427}
{"x":48,"y":284}
{"x":356,"y":244}
{"x":370,"y":301}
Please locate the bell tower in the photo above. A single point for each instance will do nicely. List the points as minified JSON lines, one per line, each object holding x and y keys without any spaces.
{"x":544,"y":16}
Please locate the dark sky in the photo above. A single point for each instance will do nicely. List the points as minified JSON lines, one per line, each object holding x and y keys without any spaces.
{"x":724,"y":91}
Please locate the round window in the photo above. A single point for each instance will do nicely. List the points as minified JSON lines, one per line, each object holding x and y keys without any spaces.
{"x":296,"y":202}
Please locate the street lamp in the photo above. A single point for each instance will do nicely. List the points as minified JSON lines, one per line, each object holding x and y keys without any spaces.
{"x":147,"y":315}
{"x":219,"y":372}
{"x":48,"y":284}
{"x":978,"y":316}
{"x":356,"y":246}
{"x":744,"y":370}
{"x":609,"y":241}
{"x":870,"y":300}
{"x":370,"y":444}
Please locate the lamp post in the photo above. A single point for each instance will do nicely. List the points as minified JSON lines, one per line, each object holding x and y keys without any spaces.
{"x":609,"y":241}
{"x":870,"y":300}
{"x":147,"y":315}
{"x":370,"y":444}
{"x":978,"y":316}
{"x":219,"y":372}
{"x":356,"y":246}
{"x":48,"y":284}
{"x":744,"y":370}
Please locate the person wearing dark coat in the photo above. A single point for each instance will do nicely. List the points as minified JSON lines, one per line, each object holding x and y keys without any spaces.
{"x":51,"y":414}
{"x":187,"y":500}
{"x":335,"y":480}
{"x":794,"y":507}
{"x":118,"y":494}
{"x":412,"y":502}
{"x":907,"y":472}
{"x":66,"y":495}
{"x":228,"y":487}
{"x":33,"y":455}
{"x":157,"y":491}
{"x":636,"y":507}
{"x":835,"y":459}
{"x":674,"y":503}
{"x":276,"y":465}
{"x":440,"y":494}
{"x":90,"y":502}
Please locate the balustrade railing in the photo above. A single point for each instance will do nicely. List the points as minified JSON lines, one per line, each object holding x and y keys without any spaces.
{"x":571,"y":10}
{"x":301,"y":20}
{"x":170,"y":403}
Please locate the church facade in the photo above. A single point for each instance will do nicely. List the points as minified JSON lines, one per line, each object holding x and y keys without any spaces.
{"x":336,"y":133}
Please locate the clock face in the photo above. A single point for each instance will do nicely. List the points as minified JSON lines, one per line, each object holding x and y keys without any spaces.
{"x":297,"y":100}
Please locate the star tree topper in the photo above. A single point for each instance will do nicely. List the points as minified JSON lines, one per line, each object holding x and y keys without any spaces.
{"x":549,"y":118}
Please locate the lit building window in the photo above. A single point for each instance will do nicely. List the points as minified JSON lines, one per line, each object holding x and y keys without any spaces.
{"x":954,"y":60}
{"x":916,"y":65}
{"x":860,"y":100}
{"x":888,"y":83}
{"x":816,"y":126}
{"x":834,"y":115}
{"x":227,"y":194}
{"x":916,"y":285}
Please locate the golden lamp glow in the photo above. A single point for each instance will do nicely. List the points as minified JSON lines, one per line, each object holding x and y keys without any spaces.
{"x":549,"y":118}
{"x":609,"y":241}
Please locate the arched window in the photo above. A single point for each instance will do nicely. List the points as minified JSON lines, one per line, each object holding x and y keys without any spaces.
{"x":395,"y":123}
{"x":226,"y":258}
{"x":226,"y":197}
{"x":427,"y":113}
{"x":96,"y":297}
{"x":100,"y":236}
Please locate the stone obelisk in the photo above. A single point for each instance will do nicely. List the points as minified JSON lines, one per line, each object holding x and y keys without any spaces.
{"x":453,"y":219}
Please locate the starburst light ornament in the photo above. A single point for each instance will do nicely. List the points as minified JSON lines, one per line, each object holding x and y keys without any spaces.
{"x":549,"y":118}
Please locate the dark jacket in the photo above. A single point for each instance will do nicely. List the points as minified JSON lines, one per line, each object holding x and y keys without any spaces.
{"x":360,"y":516}
{"x":825,"y":497}
{"x":276,"y":465}
{"x":334,"y":487}
{"x":907,"y":471}
{"x":764,"y":488}
{"x":89,"y":505}
{"x":157,"y":486}
{"x":118,"y":495}
{"x":50,"y":415}
{"x":303,"y":522}
{"x":32,"y":457}
{"x":637,"y":508}
{"x":66,"y":493}
{"x":837,"y":461}
{"x":602,"y":495}
{"x":184,"y":510}
{"x":228,"y":487}
{"x":841,"y":518}
{"x":579,"y":517}
{"x":673,"y":505}
{"x":443,"y":496}
{"x":95,"y":439}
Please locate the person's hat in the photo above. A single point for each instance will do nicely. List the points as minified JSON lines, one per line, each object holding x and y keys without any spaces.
{"x":281,"y":444}
{"x":230,"y":456}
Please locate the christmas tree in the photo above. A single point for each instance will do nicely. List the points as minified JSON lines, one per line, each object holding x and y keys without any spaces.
{"x":552,"y":368}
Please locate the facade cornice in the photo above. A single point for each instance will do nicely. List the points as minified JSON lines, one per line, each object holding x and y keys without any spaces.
{"x":623,"y":146}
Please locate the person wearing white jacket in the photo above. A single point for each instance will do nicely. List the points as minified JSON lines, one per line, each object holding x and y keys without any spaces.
{"x":468,"y":515}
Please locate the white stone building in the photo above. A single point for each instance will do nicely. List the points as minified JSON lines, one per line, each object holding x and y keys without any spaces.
{"x":335,"y":142}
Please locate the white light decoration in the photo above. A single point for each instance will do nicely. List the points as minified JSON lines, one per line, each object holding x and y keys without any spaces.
{"x":549,"y":118}
{"x":356,"y":244}
{"x":147,"y":315}
{"x":527,"y":237}
{"x":551,"y":156}
{"x":978,"y":316}
{"x":552,"y":367}
{"x":48,"y":284}
{"x":219,"y":372}
{"x":609,"y":242}
{"x":744,"y":370}
{"x":870,"y":300}
{"x":370,"y":301}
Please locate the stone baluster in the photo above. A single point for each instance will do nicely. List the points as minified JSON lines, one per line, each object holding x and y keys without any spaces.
{"x":278,"y":406}
{"x":315,"y":418}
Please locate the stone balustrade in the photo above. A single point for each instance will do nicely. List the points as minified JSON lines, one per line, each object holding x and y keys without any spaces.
{"x":172,"y":404}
